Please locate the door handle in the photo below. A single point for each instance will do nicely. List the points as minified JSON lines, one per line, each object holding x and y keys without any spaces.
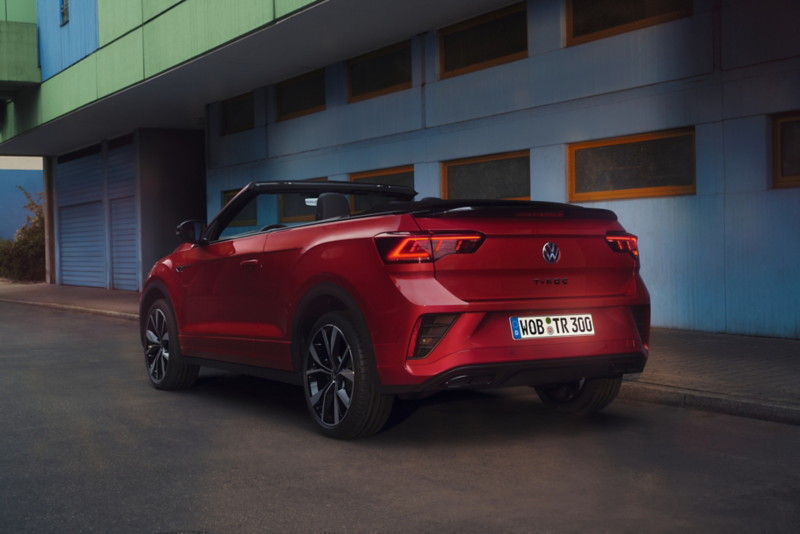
{"x":248,"y":264}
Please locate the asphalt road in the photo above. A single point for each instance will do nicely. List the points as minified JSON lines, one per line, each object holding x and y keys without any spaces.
{"x":87,"y":445}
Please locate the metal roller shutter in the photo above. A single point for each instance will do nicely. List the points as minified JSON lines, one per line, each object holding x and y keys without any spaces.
{"x":121,"y":190}
{"x":81,"y":242}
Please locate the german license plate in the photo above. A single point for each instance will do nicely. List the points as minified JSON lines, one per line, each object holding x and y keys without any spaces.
{"x":552,"y":326}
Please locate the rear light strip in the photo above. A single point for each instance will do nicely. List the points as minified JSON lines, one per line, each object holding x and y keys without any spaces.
{"x":623,"y":242}
{"x":426,"y":247}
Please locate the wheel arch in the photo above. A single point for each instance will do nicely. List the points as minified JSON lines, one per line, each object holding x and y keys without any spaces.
{"x":316,"y":302}
{"x":154,"y":291}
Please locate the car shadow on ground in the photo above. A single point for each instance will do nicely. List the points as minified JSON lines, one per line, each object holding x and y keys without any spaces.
{"x":449,"y":415}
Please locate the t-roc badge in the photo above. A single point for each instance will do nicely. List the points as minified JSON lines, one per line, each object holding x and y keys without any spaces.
{"x":551,"y":252}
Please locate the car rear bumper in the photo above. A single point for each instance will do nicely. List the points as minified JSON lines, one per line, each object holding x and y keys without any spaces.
{"x":524,"y":373}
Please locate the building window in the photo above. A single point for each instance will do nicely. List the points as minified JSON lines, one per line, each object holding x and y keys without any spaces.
{"x":501,"y":176}
{"x":379,"y":73}
{"x":482,"y":42}
{"x":649,"y":165}
{"x":397,"y":176}
{"x":302,"y":95}
{"x":293,"y":207}
{"x":588,"y":20}
{"x":64,"y":11}
{"x":238,"y":114}
{"x":786,"y":143}
{"x":247,"y":217}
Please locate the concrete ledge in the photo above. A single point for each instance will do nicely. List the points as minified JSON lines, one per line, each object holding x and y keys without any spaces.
{"x":711,"y":402}
{"x":93,"y":311}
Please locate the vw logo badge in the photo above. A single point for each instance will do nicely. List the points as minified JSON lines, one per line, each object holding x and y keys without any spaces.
{"x":551,"y":252}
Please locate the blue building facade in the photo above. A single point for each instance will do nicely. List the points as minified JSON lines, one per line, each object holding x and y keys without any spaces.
{"x":24,"y":172}
{"x":722,"y":259}
{"x":64,"y":44}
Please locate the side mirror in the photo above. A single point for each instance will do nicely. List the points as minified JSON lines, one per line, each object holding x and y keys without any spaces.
{"x":191,"y":232}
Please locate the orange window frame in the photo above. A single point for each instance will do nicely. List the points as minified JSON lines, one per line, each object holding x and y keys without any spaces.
{"x":778,"y":180}
{"x":631,"y":26}
{"x":455,"y":28}
{"x":235,"y":99}
{"x":309,"y":111}
{"x":372,"y":174}
{"x":644,"y":192}
{"x":386,"y":90}
{"x":494,"y":157}
{"x":302,"y":218}
{"x":226,"y":197}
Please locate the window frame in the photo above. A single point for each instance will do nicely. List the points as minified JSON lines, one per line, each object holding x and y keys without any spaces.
{"x":376,"y":53}
{"x":625,"y":28}
{"x":301,"y":218}
{"x":251,"y":126}
{"x":644,"y":192}
{"x":296,"y":79}
{"x":475,"y":21}
{"x":64,"y":8}
{"x":479,"y":159}
{"x":371,"y":174}
{"x":778,"y":180}
{"x":226,"y":197}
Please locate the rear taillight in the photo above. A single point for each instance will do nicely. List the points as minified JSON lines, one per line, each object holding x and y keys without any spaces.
{"x":425,"y":247}
{"x":623,"y":242}
{"x":429,"y":332}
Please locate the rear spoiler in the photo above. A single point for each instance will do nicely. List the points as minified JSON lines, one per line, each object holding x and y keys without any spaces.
{"x":434,"y":207}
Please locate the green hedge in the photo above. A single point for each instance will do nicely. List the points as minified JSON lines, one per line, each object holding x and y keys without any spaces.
{"x":23,"y":258}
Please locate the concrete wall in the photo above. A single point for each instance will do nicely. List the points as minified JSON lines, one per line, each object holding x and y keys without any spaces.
{"x":721,"y":260}
{"x":25,"y":172}
{"x":171,"y":170}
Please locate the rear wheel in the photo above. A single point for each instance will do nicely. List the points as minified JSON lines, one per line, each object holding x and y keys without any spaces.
{"x":581,"y":397}
{"x":338,"y":380}
{"x":162,"y":353}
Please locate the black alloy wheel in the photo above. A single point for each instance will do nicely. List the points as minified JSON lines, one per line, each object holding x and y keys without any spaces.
{"x":162,"y":352}
{"x":339,"y":380}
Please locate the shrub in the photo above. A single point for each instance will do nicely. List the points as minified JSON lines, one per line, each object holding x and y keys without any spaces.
{"x":23,"y":259}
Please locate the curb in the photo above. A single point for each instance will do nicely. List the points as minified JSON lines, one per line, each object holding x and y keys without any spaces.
{"x":711,"y":402}
{"x":93,"y":311}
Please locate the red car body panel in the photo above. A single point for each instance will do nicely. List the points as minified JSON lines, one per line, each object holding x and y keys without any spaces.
{"x":238,"y":300}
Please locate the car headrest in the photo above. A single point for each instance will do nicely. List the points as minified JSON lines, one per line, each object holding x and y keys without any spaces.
{"x":330,"y":205}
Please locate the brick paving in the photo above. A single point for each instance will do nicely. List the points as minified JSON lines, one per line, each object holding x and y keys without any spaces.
{"x":760,"y":368}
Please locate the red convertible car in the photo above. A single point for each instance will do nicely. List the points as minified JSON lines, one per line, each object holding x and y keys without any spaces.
{"x":374,"y":295}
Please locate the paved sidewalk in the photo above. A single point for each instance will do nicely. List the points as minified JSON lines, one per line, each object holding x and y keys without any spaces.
{"x":741,"y":375}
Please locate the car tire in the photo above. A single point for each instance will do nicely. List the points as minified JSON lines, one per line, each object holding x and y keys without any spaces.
{"x":162,"y":354}
{"x":339,"y":379}
{"x":582,"y":397}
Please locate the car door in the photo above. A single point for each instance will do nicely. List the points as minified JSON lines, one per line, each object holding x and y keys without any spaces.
{"x":222,"y":295}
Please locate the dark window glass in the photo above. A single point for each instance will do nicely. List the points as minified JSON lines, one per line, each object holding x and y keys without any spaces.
{"x":594,"y":16}
{"x":485,"y":41}
{"x":663,"y":162}
{"x":790,"y":148}
{"x":238,"y":114}
{"x":506,"y":178}
{"x":305,"y":94}
{"x":249,"y":214}
{"x":365,"y":202}
{"x":380,"y":72}
{"x":294,"y":209}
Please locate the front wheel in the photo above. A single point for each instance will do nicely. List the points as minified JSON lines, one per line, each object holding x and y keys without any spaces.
{"x":581,"y":397}
{"x":162,"y":353}
{"x":338,"y":380}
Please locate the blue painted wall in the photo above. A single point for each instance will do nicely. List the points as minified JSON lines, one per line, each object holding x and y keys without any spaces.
{"x":12,"y":213}
{"x":722,"y":260}
{"x":61,"y":46}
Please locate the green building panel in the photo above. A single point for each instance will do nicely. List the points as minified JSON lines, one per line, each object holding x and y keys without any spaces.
{"x":151,"y":8}
{"x":69,"y":89}
{"x":19,"y":59}
{"x":284,"y":7}
{"x":116,"y":18}
{"x":18,"y":10}
{"x":120,"y":64}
